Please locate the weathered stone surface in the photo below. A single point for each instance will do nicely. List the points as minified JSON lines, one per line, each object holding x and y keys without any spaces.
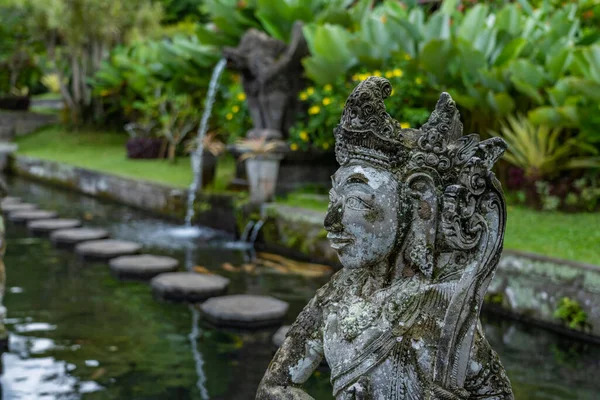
{"x":142,"y":266}
{"x":216,"y":210}
{"x":106,"y":248}
{"x":279,"y":336}
{"x":190,"y":287}
{"x":31,"y":215}
{"x":417,"y":220}
{"x":245,"y":311}
{"x":10,"y":200}
{"x":70,"y":237}
{"x":272,"y":76}
{"x":49,"y":225}
{"x":16,"y":206}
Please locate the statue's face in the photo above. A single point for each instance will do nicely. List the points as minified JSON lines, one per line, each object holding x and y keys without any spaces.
{"x":362,"y":219}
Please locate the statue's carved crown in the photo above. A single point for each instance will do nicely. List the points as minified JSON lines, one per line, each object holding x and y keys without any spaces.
{"x":367,"y":133}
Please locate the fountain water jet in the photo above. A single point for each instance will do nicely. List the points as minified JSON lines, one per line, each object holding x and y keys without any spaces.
{"x":196,"y":157}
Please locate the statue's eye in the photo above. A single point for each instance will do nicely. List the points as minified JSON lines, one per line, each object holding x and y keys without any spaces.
{"x":356,"y":203}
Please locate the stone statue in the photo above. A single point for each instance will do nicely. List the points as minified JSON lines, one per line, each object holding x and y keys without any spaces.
{"x":417,"y":219}
{"x":272,"y":77}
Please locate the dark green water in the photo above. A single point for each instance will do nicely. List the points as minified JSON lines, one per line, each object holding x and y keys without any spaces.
{"x":78,"y":333}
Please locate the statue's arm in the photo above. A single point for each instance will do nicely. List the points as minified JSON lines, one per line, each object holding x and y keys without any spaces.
{"x":486,"y":378}
{"x":296,"y":359}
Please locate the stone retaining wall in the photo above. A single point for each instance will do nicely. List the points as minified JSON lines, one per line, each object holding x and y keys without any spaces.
{"x":526,"y":286}
{"x":18,"y":123}
{"x":212,"y":210}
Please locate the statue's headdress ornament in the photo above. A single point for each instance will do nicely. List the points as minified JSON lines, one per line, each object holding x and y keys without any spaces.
{"x":367,"y":133}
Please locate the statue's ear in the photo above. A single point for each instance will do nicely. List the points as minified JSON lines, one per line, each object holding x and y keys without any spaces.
{"x":419,"y":249}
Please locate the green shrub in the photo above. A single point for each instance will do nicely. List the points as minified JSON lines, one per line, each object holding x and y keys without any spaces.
{"x":571,"y":313}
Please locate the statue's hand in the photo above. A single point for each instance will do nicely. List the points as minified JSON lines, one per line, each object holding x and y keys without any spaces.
{"x":358,"y":391}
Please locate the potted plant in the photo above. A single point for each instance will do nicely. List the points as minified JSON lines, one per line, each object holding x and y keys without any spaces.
{"x":262,"y":166}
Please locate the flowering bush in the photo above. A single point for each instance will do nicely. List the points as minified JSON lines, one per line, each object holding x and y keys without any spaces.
{"x":324,"y":105}
{"x":233,"y":117}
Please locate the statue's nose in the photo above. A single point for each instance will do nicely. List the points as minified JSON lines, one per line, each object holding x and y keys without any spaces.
{"x":333,"y":218}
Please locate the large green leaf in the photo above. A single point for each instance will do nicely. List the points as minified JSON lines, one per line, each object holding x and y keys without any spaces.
{"x":510,"y":51}
{"x":473,"y":22}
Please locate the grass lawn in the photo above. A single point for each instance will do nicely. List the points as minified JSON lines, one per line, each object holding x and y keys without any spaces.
{"x":105,"y":151}
{"x":569,"y":236}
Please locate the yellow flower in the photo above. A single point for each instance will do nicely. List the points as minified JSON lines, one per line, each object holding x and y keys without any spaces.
{"x":328,"y":88}
{"x":310,"y":91}
{"x":314,"y":110}
{"x":235,"y":109}
{"x":398,"y":72}
{"x":325,"y":146}
{"x":407,"y":57}
{"x":356,"y":77}
{"x":364,"y":76}
{"x":229,"y":116}
{"x":404,"y":125}
{"x":418,"y":80}
{"x":326,"y":101}
{"x":304,"y":136}
{"x":241,"y":96}
{"x":377,"y":73}
{"x":389,"y":74}
{"x":294,"y":146}
{"x":392,"y":92}
{"x":303,"y":96}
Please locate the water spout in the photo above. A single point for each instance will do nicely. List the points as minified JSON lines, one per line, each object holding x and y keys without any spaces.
{"x":196,"y":158}
{"x":247,"y":230}
{"x":255,"y":230}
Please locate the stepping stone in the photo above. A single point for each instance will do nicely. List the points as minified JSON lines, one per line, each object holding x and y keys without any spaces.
{"x":70,"y":237}
{"x":143,"y":266}
{"x":10,"y":200}
{"x":244,"y":311}
{"x":12,"y":207}
{"x":188,"y":286}
{"x":106,"y":249}
{"x":49,"y":225}
{"x":31,"y":215}
{"x":279,"y":336}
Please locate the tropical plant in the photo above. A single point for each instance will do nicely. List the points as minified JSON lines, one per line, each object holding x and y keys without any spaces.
{"x":323,"y":105}
{"x":170,"y":115}
{"x":541,"y":152}
{"x":79,"y":33}
{"x":19,"y":69}
{"x":232,"y":117}
{"x":132,"y":73}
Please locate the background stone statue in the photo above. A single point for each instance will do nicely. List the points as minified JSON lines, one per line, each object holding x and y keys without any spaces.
{"x":271,"y":74}
{"x":417,"y":219}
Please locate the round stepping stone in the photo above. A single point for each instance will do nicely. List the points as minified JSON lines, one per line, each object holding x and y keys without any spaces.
{"x":13,"y":207}
{"x":70,"y":237}
{"x":244,"y":311}
{"x":10,"y":200}
{"x":49,"y":225}
{"x":106,"y":249}
{"x":279,"y":336}
{"x":143,"y":266}
{"x":31,"y":215}
{"x":188,"y":286}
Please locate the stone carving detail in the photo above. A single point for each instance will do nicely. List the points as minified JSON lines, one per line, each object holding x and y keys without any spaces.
{"x":271,"y":74}
{"x":417,"y":219}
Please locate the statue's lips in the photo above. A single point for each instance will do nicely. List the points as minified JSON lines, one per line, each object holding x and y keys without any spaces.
{"x":338,"y":242}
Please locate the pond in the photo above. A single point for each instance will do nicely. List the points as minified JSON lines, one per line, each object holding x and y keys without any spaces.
{"x":78,"y":333}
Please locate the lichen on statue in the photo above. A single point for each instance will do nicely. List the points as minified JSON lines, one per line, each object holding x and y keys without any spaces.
{"x":417,"y":219}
